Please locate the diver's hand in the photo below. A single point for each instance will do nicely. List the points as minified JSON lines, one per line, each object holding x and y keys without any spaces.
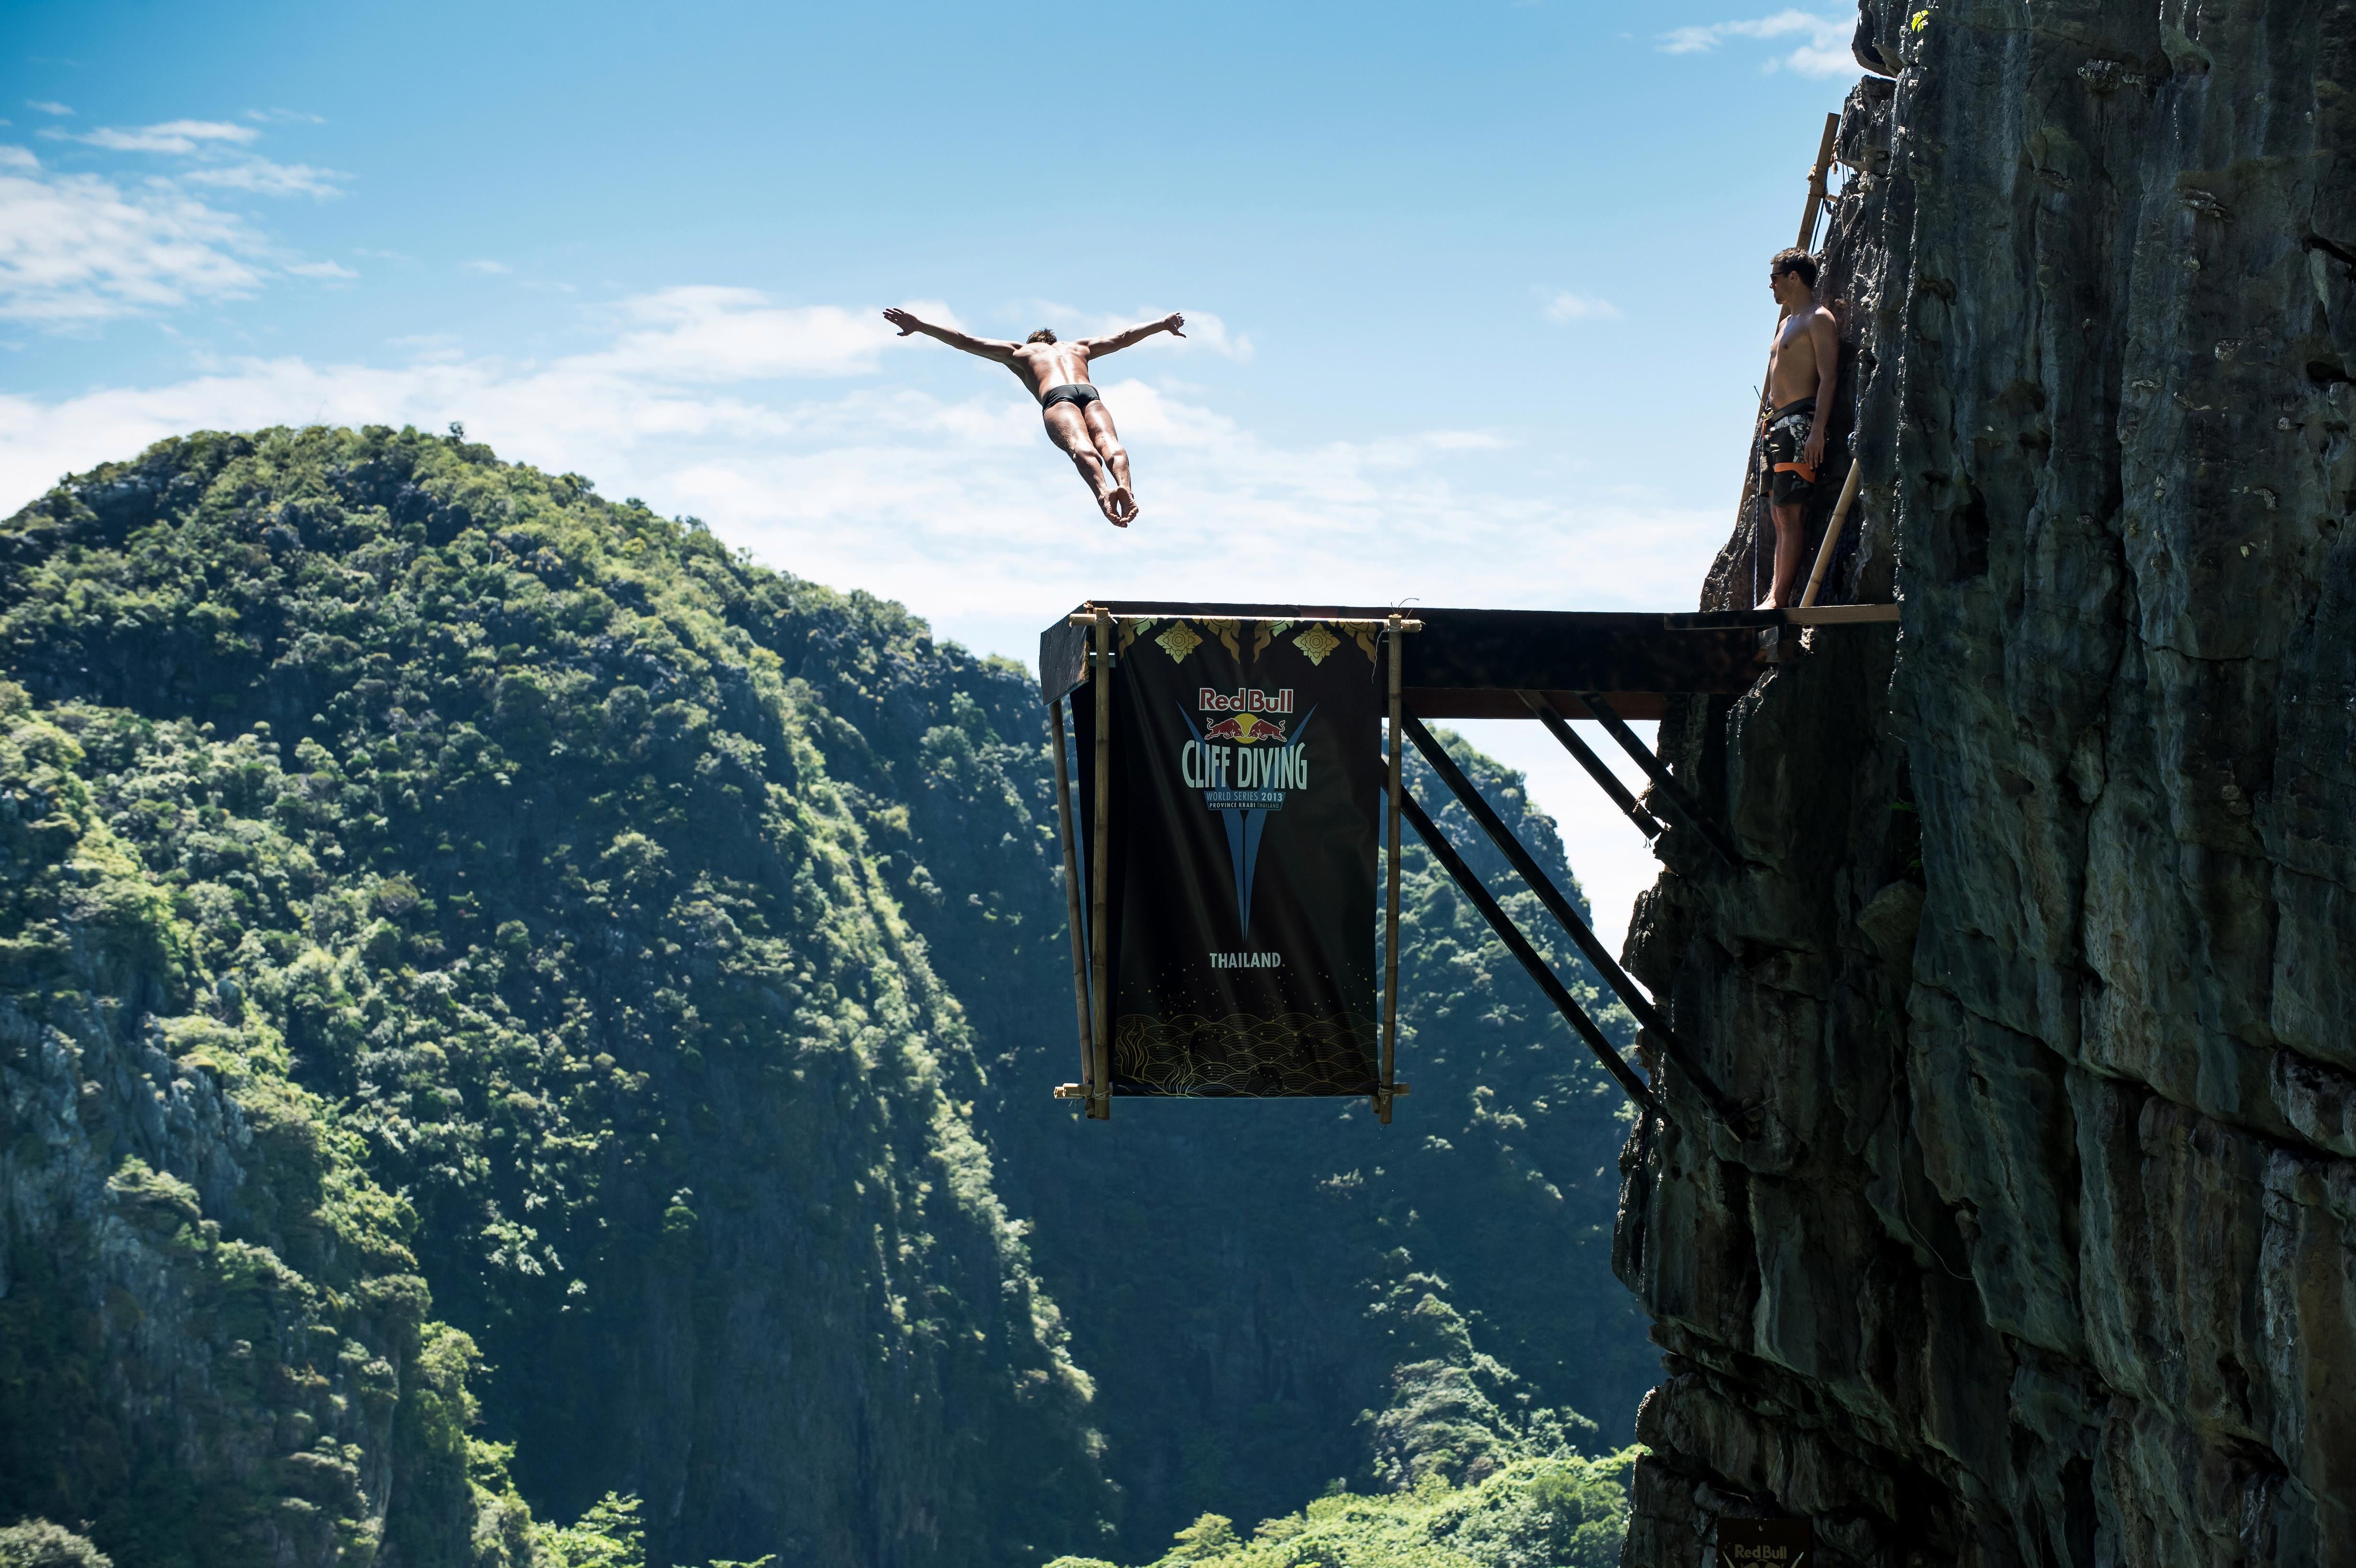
{"x":1172,"y":323}
{"x":902,"y":319}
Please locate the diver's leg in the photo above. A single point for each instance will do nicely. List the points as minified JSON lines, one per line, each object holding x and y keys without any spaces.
{"x":1115,"y":455}
{"x":1068,"y":430}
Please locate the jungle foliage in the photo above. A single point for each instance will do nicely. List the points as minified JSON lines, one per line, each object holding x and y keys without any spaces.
{"x":635,"y":976}
{"x":1559,"y":1512}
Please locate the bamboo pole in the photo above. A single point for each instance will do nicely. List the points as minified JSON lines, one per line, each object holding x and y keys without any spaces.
{"x":1101,"y":871}
{"x":1071,"y":893}
{"x":1832,"y":536}
{"x":1817,"y":182}
{"x":1396,"y":636}
{"x":1842,"y":615}
{"x":1355,"y":622}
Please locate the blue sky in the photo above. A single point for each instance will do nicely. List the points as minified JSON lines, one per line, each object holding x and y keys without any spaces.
{"x":1480,"y":288}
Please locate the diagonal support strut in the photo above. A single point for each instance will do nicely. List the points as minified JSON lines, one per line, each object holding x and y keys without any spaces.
{"x":1673,"y":794}
{"x":1580,"y":934}
{"x":1519,"y":946}
{"x":1646,"y":823}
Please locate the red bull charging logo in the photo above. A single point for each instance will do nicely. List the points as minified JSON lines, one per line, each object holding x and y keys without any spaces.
{"x":1245,"y":729}
{"x":1250,"y":714}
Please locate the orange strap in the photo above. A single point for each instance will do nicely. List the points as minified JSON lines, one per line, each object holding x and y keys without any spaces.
{"x":1806,"y":470}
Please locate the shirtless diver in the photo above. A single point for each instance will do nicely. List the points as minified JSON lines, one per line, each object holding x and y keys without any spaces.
{"x":1058,"y":375}
{"x":1803,"y":369}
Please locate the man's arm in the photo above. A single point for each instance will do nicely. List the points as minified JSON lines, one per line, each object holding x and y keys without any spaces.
{"x":988,"y":347}
{"x":1826,"y":337}
{"x":1127,"y":336}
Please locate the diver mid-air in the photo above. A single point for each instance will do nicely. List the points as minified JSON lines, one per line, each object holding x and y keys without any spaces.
{"x":1058,"y":375}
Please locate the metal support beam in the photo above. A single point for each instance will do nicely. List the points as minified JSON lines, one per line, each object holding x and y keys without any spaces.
{"x":1519,"y":946}
{"x":1672,"y":793}
{"x":1646,"y":823}
{"x":1580,"y":934}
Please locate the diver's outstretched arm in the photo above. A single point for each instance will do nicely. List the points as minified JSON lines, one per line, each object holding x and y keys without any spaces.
{"x":1138,"y":333}
{"x":988,"y":347}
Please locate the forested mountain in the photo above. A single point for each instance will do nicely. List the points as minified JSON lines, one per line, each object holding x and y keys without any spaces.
{"x":502,"y":999}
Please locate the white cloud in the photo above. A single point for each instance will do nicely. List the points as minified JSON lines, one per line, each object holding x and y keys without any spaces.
{"x":1562,"y":306}
{"x":704,"y":334}
{"x":485,"y":266}
{"x":78,"y":248}
{"x":1823,"y":52}
{"x":285,"y":116}
{"x":183,"y":136}
{"x":265,"y":178}
{"x":47,"y":106}
{"x":960,"y":507}
{"x":319,"y":269}
{"x":1205,"y":333}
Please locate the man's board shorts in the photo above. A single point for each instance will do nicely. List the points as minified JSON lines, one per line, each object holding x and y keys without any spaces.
{"x":1783,"y":473}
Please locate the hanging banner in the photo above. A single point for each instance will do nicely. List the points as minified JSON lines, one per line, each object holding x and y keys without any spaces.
{"x":1246,"y":799}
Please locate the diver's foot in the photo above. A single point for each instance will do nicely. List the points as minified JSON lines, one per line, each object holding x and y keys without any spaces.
{"x":1122,"y":504}
{"x":1104,"y":505}
{"x":1769,"y":603}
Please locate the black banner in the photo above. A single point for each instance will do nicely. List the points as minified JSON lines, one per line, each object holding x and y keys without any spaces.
{"x":1246,"y":798}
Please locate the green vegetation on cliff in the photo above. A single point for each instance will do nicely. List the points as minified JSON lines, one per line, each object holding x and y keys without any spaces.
{"x":1563,"y":1512}
{"x":448,"y":795}
{"x":502,"y":998}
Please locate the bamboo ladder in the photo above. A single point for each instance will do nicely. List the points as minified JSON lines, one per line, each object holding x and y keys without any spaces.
{"x":1816,"y":192}
{"x":1819,"y":174}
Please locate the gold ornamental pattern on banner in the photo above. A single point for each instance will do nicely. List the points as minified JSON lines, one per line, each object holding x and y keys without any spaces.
{"x":1190,"y":1054}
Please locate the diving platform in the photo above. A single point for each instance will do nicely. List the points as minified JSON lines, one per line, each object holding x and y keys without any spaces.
{"x":1550,"y":666}
{"x":1469,"y":663}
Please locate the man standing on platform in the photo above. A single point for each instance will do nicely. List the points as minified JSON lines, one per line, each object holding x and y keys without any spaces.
{"x":1058,"y":375}
{"x":1803,"y":371}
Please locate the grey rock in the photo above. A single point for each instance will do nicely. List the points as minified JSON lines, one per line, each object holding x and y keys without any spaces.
{"x":2042,"y":966}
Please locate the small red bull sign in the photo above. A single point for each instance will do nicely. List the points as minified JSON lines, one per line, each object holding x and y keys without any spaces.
{"x":1765,"y":1543}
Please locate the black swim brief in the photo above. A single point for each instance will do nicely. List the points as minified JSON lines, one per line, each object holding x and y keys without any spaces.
{"x":1079,"y":394}
{"x":1783,"y":472}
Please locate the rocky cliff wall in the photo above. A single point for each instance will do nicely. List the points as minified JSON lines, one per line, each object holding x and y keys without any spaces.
{"x":2043,"y":1251}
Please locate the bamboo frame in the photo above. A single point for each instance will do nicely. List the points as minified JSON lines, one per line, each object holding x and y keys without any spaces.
{"x":1072,"y":895}
{"x":1842,"y":615}
{"x":1816,"y":177}
{"x":1100,"y":873}
{"x":1832,"y":536}
{"x":1356,"y":622}
{"x":1395,"y":636}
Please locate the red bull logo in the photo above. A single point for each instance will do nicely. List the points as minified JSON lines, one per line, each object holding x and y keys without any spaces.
{"x":1247,"y":729}
{"x":1244,"y":701}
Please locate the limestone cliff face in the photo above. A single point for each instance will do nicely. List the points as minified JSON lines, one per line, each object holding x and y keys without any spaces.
{"x":2044,"y":1251}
